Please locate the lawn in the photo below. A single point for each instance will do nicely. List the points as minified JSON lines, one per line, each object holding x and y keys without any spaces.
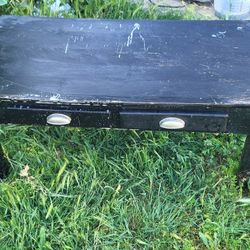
{"x":72,"y":188}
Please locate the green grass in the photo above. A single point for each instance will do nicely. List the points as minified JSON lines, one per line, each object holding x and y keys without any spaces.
{"x":113,"y":9}
{"x":102,"y":189}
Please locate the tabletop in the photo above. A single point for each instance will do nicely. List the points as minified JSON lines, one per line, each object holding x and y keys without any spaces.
{"x":135,"y":61}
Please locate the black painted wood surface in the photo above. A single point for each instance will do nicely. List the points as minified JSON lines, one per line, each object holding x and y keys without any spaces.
{"x":205,"y":62}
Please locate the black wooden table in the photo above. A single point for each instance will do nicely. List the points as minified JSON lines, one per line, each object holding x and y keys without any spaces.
{"x":149,"y":75}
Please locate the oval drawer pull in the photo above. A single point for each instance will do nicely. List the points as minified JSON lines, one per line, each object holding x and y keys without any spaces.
{"x":172,"y":123}
{"x":58,"y":119}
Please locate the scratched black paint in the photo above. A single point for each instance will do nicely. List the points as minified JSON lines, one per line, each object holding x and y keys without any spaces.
{"x":98,"y":60}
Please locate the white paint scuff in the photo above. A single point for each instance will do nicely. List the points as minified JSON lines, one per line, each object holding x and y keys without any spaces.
{"x":220,"y":34}
{"x":55,"y":97}
{"x":144,"y":42}
{"x":130,"y":37}
{"x":120,"y":51}
{"x":66,"y":47}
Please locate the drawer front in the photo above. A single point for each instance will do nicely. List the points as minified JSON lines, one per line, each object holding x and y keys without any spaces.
{"x":207,"y":122}
{"x":86,"y":119}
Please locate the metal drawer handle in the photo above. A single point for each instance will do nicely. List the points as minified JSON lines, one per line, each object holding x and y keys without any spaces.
{"x":172,"y":123}
{"x":58,"y":119}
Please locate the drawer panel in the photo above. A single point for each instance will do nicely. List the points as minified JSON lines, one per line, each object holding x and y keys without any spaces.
{"x":86,"y":119}
{"x":207,"y":122}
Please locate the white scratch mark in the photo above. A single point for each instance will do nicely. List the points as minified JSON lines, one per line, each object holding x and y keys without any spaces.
{"x":130,"y":37}
{"x":81,"y":29}
{"x":220,"y":34}
{"x":144,"y":42}
{"x":90,"y":26}
{"x":72,"y":25}
{"x":106,"y":27}
{"x":239,"y":28}
{"x":120,"y":52}
{"x":55,"y":97}
{"x":129,"y":42}
{"x":66,"y":48}
{"x":120,"y":25}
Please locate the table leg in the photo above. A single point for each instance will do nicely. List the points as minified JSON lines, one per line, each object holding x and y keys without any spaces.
{"x":244,"y":170}
{"x":4,"y":164}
